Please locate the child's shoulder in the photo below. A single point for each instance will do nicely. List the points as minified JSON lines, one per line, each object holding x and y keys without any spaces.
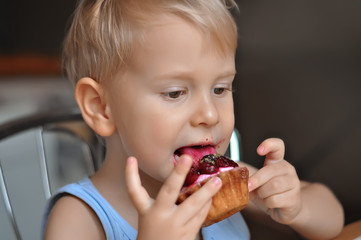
{"x":70,"y":211}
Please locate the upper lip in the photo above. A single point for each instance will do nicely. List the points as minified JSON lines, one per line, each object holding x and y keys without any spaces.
{"x":195,"y":145}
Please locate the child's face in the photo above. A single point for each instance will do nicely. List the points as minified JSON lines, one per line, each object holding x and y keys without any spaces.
{"x":176,"y":93}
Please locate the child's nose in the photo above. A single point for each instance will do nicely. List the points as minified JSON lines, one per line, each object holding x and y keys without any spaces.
{"x":205,"y":113}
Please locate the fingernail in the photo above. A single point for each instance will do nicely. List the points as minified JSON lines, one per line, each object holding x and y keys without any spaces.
{"x":130,"y":160}
{"x":250,"y":186}
{"x":260,"y":149}
{"x":217,"y":181}
{"x":185,"y":160}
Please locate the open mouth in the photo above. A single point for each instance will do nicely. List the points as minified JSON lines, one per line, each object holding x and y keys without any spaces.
{"x":196,"y":152}
{"x":206,"y":163}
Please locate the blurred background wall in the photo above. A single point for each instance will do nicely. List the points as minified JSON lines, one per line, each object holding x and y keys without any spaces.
{"x":35,"y":27}
{"x":299,"y":73}
{"x":31,"y":34}
{"x":299,"y":65}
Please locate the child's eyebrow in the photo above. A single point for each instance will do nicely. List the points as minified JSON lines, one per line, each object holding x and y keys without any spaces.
{"x":188,"y":74}
{"x":228,"y":74}
{"x":175,"y":74}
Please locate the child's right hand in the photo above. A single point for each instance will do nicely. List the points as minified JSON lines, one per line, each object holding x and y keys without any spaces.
{"x":161,"y":218}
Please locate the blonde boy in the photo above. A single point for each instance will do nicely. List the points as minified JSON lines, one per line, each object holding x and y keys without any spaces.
{"x":153,"y":77}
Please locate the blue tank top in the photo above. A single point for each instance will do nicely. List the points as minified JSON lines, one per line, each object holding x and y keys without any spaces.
{"x":116,"y":228}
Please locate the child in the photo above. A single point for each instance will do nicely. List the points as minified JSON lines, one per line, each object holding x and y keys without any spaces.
{"x":153,"y":77}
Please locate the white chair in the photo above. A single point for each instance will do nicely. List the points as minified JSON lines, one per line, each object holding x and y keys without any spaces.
{"x":38,"y":154}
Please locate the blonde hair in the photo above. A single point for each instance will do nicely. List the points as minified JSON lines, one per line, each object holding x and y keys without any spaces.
{"x":103,"y":32}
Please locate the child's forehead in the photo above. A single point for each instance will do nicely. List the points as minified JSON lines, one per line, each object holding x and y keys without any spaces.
{"x":220,"y":36}
{"x":165,"y":32}
{"x":171,"y":48}
{"x":168,"y":23}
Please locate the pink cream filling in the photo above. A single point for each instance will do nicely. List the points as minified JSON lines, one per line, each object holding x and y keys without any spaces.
{"x":205,"y":176}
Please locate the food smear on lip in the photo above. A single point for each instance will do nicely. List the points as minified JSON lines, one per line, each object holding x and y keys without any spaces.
{"x":208,"y":166}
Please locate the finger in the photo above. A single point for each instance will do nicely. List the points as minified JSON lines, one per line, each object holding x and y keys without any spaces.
{"x":199,"y":217}
{"x":281,"y":200}
{"x":268,"y":172}
{"x":169,"y":191}
{"x":273,"y":148}
{"x":257,"y":201}
{"x":193,"y":204}
{"x":276,"y":185}
{"x":137,"y":193}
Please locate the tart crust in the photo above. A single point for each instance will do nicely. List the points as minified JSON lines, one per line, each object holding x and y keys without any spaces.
{"x":230,"y":199}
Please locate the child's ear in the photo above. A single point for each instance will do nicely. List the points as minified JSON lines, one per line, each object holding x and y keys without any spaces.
{"x":94,"y":107}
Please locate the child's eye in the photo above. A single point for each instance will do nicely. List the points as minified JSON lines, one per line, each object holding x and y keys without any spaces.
{"x":218,"y":91}
{"x":174,"y":94}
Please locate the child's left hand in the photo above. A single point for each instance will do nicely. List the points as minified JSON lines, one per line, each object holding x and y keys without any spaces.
{"x":275,"y":188}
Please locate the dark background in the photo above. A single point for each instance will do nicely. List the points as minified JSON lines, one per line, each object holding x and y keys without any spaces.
{"x":299,"y":65}
{"x":299,"y":73}
{"x":33,"y":27}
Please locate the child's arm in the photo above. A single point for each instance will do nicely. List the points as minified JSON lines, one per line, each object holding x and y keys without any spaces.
{"x":71,"y":218}
{"x":310,"y":209}
{"x":161,"y":218}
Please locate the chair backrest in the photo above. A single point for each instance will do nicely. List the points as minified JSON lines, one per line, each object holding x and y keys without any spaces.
{"x":235,"y":146}
{"x":38,"y":154}
{"x":41,"y":153}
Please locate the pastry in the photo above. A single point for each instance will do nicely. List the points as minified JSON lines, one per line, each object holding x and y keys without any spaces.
{"x":233,"y":195}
